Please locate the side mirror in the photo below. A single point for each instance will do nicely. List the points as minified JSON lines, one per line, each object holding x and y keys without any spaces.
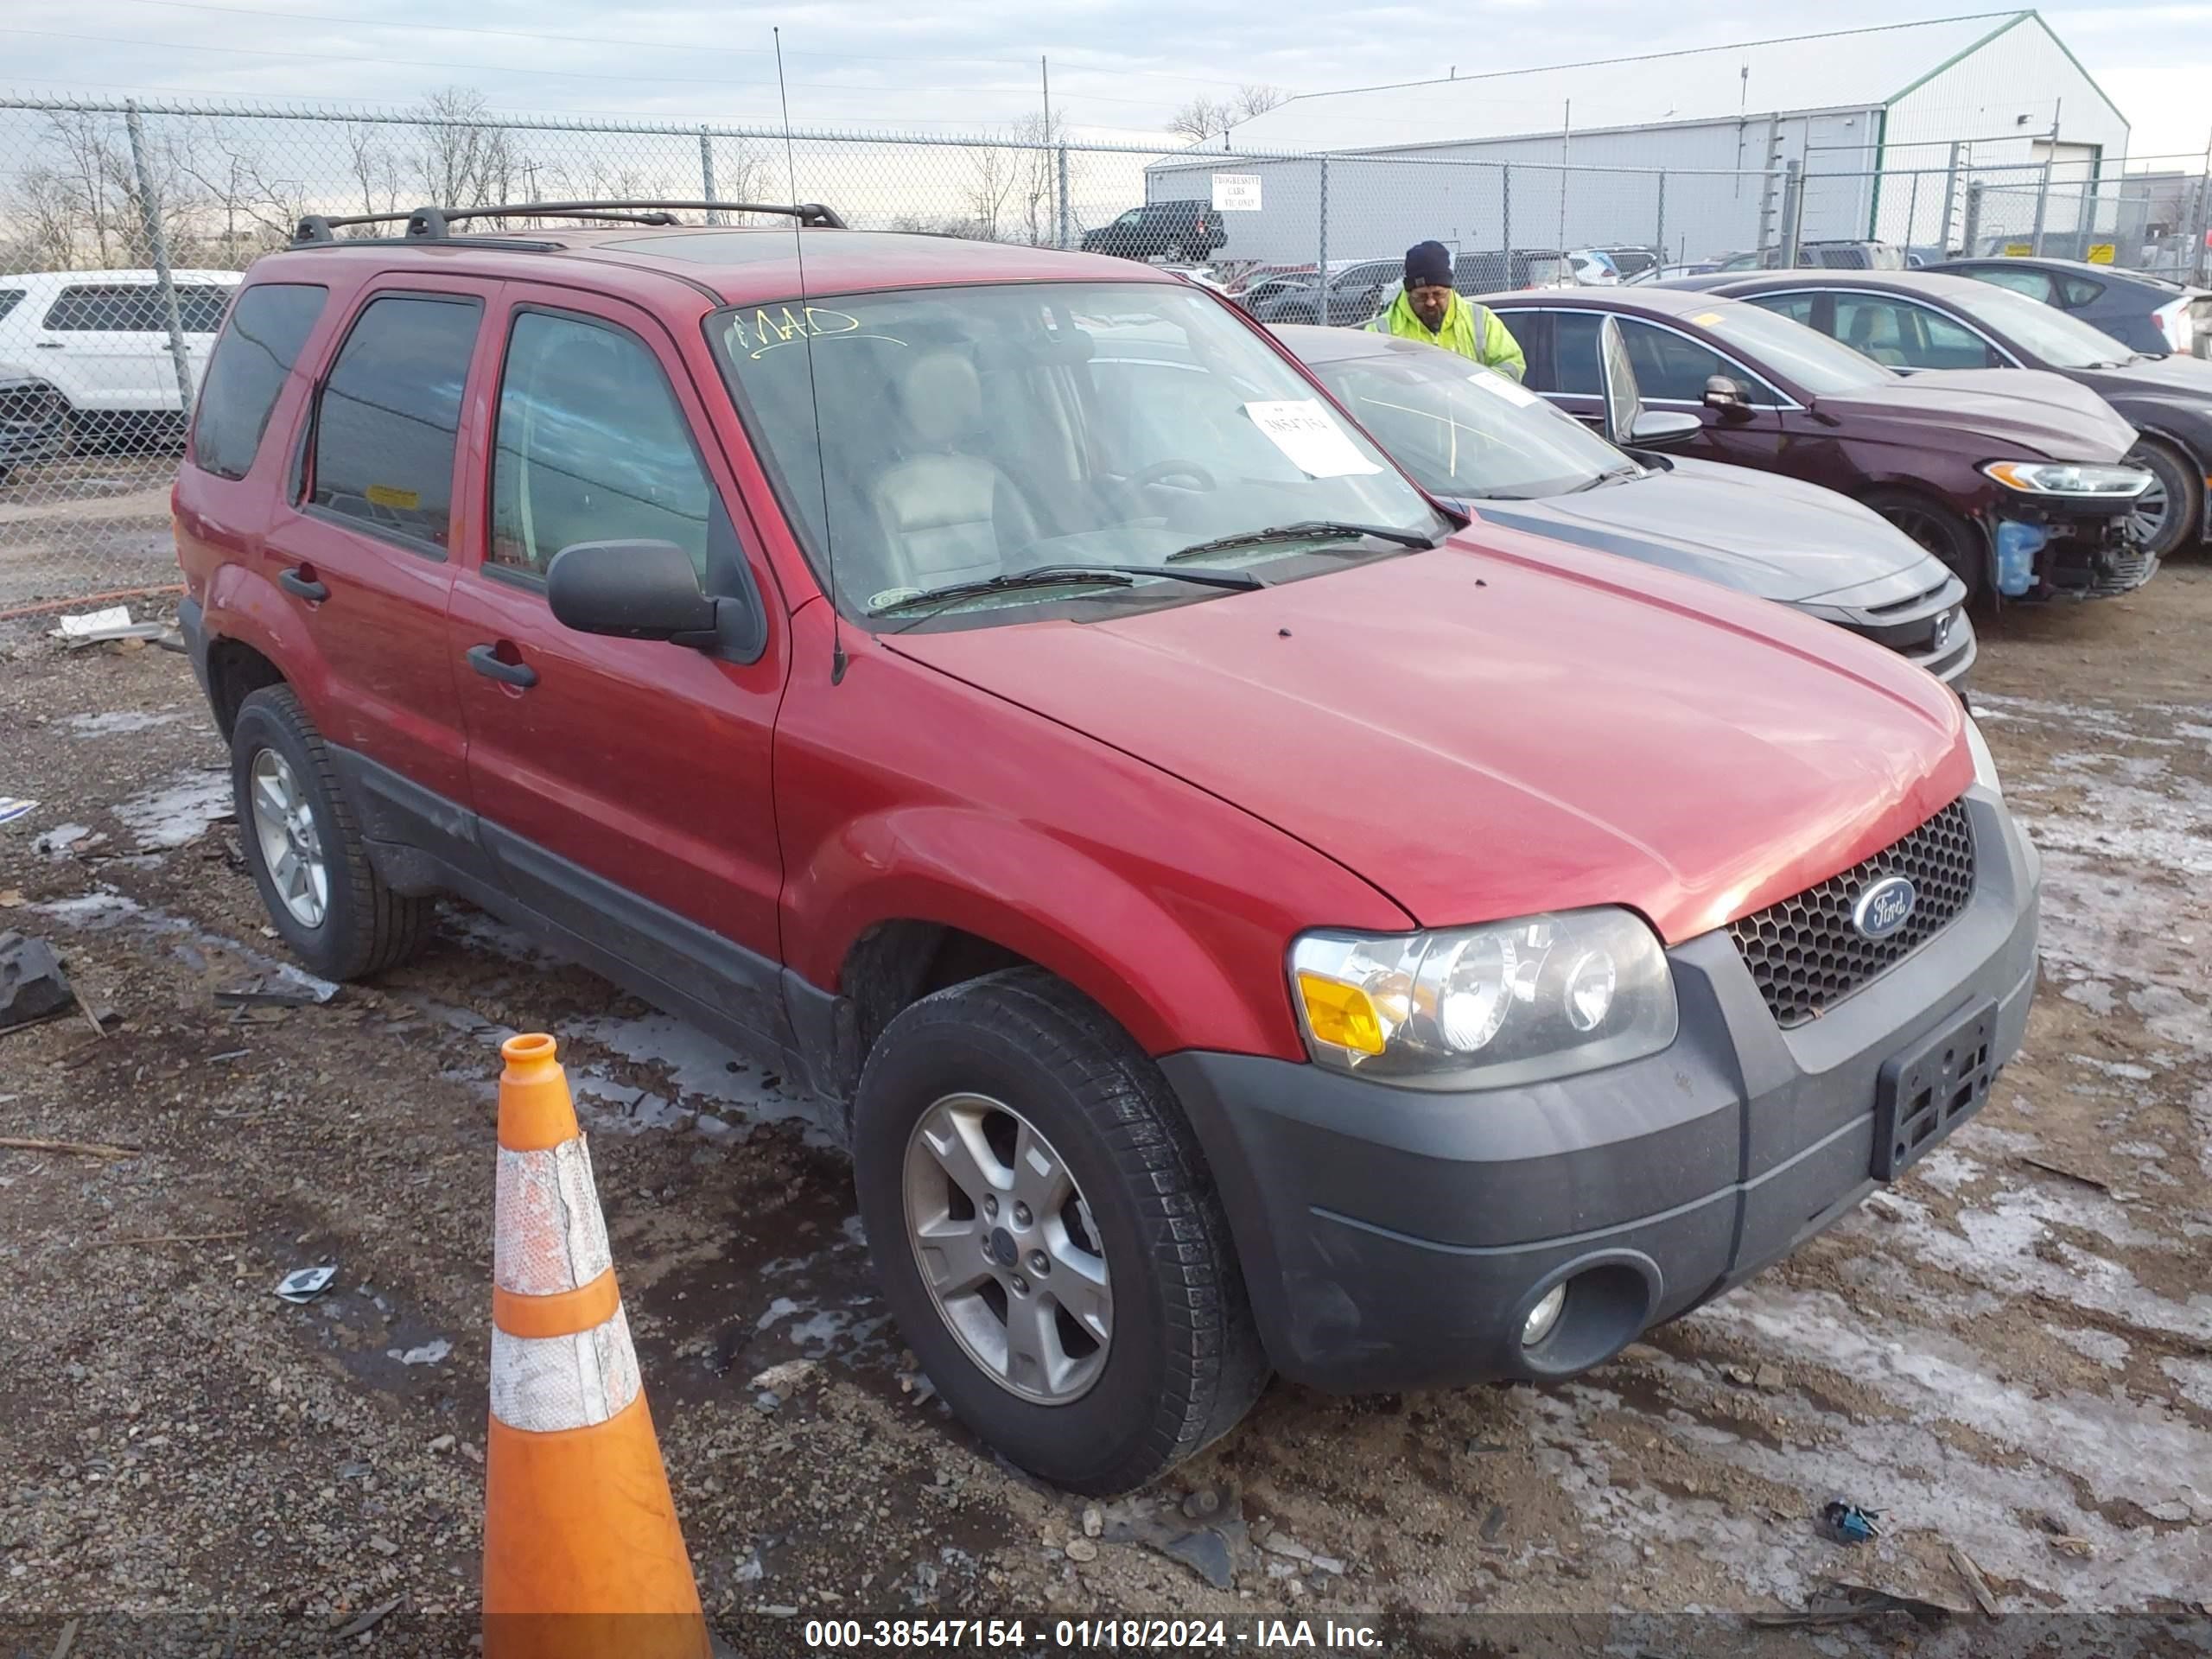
{"x":1725,"y":396}
{"x":631,"y":589}
{"x":1657,"y":429}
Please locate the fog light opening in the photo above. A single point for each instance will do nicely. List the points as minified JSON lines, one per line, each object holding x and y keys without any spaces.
{"x":1543,"y":1317}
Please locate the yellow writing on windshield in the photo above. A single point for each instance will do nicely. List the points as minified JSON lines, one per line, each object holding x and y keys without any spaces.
{"x":769,"y":327}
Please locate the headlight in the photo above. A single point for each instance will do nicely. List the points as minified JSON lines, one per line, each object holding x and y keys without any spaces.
{"x":2068,"y":478}
{"x":1508,"y":1002}
{"x":1985,"y":763}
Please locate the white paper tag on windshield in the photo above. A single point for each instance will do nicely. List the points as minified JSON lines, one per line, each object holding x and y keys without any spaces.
{"x":1504,"y":386}
{"x":1310,"y":436}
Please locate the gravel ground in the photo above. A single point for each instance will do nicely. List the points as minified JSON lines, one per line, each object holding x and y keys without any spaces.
{"x":2009,"y":1355}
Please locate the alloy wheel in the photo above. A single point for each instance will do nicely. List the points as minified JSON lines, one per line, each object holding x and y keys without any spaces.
{"x":1007,"y":1246}
{"x":291,"y":847}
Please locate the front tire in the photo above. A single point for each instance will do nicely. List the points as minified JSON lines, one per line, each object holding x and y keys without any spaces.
{"x":1048,"y":1237}
{"x":2167,"y":515}
{"x":306,"y":850}
{"x":1950,"y":536}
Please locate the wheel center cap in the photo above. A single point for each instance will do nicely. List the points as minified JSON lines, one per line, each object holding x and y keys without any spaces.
{"x":1002,"y":1248}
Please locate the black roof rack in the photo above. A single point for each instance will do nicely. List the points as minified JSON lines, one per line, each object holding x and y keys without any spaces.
{"x":436,"y":224}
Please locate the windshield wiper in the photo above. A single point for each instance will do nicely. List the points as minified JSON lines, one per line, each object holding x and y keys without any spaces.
{"x":1610,"y":475}
{"x":1060,"y":575}
{"x":1311,"y":529}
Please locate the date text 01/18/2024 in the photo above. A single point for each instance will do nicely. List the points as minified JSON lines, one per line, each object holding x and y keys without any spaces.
{"x":834,"y":1636}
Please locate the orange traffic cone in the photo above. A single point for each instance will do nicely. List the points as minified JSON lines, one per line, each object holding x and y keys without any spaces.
{"x":582,"y":1554}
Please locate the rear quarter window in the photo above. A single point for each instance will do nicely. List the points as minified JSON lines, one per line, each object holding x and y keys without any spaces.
{"x":10,"y":299}
{"x":268,"y":327}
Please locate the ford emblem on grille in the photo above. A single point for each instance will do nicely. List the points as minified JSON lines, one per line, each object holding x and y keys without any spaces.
{"x":1943,"y":629}
{"x":1883,"y":908}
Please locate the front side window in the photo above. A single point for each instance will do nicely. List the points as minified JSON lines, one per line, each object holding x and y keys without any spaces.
{"x":1907,"y":336}
{"x":2036,"y":284}
{"x":1673,"y":368}
{"x":592,"y":447}
{"x":386,"y":421}
{"x":268,"y":328}
{"x":10,"y":299}
{"x":1802,"y":356}
{"x":1575,"y":363}
{"x":976,"y":433}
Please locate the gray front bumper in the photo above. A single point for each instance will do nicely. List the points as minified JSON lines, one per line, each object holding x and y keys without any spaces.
{"x":1393,"y":1238}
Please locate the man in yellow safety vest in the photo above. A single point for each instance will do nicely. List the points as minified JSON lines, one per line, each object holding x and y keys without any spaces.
{"x":1428,"y":308}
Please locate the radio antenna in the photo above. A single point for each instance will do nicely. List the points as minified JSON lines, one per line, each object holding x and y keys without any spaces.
{"x":813,"y":391}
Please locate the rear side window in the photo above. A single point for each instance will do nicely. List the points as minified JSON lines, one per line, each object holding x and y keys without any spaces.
{"x":2078,"y":290}
{"x":271,"y":322}
{"x":386,"y":425}
{"x":592,"y":447}
{"x":1575,"y":354}
{"x":137,"y":308}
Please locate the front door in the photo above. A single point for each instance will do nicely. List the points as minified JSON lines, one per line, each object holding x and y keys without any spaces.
{"x":361,"y":548}
{"x":623,"y":786}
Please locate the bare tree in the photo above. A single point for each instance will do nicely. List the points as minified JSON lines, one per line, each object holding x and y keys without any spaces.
{"x":463,"y":159}
{"x":1206,"y":117}
{"x":1037,"y":175}
{"x":371,"y":169}
{"x":990,"y":187}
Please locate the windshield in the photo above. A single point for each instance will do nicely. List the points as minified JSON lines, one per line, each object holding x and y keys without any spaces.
{"x":1468,"y":432}
{"x":2043,"y":331}
{"x":1791,"y":351}
{"x":970,"y":434}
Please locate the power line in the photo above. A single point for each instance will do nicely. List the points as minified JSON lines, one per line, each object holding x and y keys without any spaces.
{"x":562,"y":75}
{"x":689,"y":48}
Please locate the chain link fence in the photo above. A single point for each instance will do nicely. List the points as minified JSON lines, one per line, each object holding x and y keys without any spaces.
{"x":123,"y":228}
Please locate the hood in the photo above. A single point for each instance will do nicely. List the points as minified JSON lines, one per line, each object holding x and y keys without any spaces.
{"x":1734,"y":526}
{"x":2043,"y":413}
{"x":1493,"y":729}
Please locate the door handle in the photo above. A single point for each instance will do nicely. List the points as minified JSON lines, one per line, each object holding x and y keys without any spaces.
{"x":485,"y":659}
{"x":49,"y":345}
{"x":302,"y":582}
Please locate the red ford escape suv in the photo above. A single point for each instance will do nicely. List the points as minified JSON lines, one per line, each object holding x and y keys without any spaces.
{"x":1249,"y":920}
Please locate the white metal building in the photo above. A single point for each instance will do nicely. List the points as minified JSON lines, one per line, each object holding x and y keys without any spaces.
{"x":1871,"y":116}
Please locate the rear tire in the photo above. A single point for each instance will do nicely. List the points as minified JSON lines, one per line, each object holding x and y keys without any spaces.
{"x":1181,"y":1362}
{"x":1950,"y":536}
{"x":2180,"y":490}
{"x":353,"y":925}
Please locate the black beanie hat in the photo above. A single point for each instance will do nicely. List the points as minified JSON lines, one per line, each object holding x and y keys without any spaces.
{"x":1428,"y":265}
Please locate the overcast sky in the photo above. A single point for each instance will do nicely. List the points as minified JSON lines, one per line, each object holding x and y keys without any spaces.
{"x":1118,"y":67}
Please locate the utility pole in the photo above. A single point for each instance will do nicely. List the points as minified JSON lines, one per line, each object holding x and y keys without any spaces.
{"x":1045,"y":76}
{"x":1565,"y":158}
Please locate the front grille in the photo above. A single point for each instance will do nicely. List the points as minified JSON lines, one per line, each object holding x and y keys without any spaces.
{"x":1806,"y":954}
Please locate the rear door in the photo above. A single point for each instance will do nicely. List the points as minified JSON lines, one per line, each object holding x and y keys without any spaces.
{"x":362,"y":547}
{"x":623,"y":785}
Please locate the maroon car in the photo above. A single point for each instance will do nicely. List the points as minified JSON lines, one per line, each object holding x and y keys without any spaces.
{"x":2012,"y":478}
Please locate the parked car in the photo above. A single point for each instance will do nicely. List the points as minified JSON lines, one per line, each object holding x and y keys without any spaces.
{"x":1592,"y":267}
{"x":1916,"y":321}
{"x":1484,"y":272}
{"x":1185,"y":230}
{"x":1851,"y":256}
{"x":2144,"y":312}
{"x":1497,"y":451}
{"x":100,"y":340}
{"x":33,"y":420}
{"x":1238,"y":917}
{"x":2015,"y":483}
{"x":1632,"y":261}
{"x":1354,"y":294}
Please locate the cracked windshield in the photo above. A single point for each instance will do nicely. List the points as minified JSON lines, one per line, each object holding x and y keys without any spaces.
{"x":1014,"y":447}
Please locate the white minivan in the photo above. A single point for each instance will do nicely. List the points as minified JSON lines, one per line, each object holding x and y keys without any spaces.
{"x":100,"y":337}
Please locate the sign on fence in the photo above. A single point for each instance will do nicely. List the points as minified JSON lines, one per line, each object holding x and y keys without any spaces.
{"x":2100,"y":253}
{"x":1237,"y":193}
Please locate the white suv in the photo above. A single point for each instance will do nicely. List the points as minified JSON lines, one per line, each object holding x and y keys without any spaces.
{"x":100,"y":337}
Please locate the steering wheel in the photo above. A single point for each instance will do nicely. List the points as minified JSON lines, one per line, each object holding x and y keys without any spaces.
{"x":1160,"y":471}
